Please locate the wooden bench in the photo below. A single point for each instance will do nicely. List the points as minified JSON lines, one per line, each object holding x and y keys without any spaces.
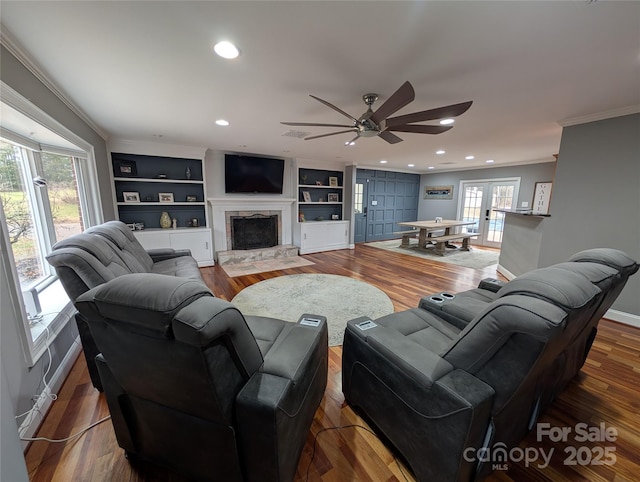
{"x":441,"y":241}
{"x":406,"y":236}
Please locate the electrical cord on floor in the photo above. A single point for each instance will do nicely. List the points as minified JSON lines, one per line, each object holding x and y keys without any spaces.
{"x":339,"y":427}
{"x":47,"y":392}
{"x":71,"y":437}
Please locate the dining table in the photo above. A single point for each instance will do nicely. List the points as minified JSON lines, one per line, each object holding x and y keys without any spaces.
{"x":429,"y":228}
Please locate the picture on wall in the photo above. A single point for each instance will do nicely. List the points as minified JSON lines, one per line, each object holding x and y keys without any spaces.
{"x":438,"y":192}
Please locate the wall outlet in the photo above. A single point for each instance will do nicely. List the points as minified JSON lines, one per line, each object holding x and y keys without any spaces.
{"x":524,"y":204}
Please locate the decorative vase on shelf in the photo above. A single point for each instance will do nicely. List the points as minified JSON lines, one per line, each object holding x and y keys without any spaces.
{"x":187,"y":173}
{"x":165,"y":220}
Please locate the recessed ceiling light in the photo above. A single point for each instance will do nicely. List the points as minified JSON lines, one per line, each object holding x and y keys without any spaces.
{"x":350,"y":143}
{"x":430,"y":167}
{"x":226,"y":50}
{"x":383,"y":162}
{"x":446,"y":122}
{"x":222,"y":122}
{"x":468,"y":158}
{"x":410,"y":165}
{"x":441,"y":151}
{"x":490,"y":161}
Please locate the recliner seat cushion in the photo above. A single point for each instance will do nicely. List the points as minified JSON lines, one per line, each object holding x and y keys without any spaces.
{"x":422,"y":327}
{"x":183,"y":267}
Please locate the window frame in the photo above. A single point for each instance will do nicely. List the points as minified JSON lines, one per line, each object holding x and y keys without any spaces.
{"x":35,"y":339}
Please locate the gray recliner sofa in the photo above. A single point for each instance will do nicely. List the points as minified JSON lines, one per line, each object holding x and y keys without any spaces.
{"x":102,"y":253}
{"x":193,"y":385}
{"x":440,"y":388}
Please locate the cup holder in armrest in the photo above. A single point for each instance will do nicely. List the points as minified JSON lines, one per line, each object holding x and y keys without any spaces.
{"x":447,"y":296}
{"x":436,"y":299}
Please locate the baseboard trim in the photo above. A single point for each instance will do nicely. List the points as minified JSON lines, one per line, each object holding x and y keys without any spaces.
{"x":624,"y":318}
{"x":505,"y":272}
{"x":32,"y":422}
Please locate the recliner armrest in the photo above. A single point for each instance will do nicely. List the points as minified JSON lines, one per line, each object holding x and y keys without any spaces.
{"x":160,"y":254}
{"x":491,"y":284}
{"x":275,"y":408}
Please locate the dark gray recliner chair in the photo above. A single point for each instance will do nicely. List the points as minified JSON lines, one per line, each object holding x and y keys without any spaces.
{"x":438,"y":392}
{"x":193,"y":385}
{"x":102,"y":253}
{"x":607,"y":268}
{"x":460,"y":308}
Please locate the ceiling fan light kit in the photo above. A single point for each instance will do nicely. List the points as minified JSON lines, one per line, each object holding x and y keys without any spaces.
{"x":379,"y":124}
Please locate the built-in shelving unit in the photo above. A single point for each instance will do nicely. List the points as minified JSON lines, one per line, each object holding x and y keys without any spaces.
{"x":146,"y":186}
{"x":321,"y":225}
{"x":320,"y":195}
{"x":142,"y":182}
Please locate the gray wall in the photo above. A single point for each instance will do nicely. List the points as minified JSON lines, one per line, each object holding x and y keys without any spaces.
{"x":20,"y":79}
{"x":596,"y":196}
{"x":22,"y":383}
{"x":447,"y":208}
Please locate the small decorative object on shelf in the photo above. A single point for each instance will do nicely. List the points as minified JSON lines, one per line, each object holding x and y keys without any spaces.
{"x":194,"y":222}
{"x":187,"y":173}
{"x":165,"y":220}
{"x":161,"y":176}
{"x":126,"y":169}
{"x":131,"y":197}
{"x":148,"y":198}
{"x":333,"y":197}
{"x":318,"y":183}
{"x":174,"y":223}
{"x":320,"y":218}
{"x":191,"y":198}
{"x":303,"y":179}
{"x":333,"y":181}
{"x":306,"y":195}
{"x":301,"y":217}
{"x":138,"y":226}
{"x":165,"y":197}
{"x":335,"y":217}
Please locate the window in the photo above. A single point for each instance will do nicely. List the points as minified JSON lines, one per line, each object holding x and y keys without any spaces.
{"x":41,"y":201}
{"x":48,"y":192}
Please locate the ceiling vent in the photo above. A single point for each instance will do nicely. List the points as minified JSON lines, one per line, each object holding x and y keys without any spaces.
{"x":296,"y":134}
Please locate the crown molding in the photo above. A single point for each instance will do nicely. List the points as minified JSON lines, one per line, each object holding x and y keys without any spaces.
{"x":609,"y":114}
{"x":18,"y":51}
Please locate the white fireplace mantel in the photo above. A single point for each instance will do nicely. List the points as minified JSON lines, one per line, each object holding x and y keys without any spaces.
{"x":219,"y":206}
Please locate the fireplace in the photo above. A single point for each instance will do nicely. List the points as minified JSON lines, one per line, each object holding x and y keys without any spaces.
{"x":253,"y":232}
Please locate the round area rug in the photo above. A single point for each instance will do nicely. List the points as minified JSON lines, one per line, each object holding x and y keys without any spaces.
{"x":339,"y":298}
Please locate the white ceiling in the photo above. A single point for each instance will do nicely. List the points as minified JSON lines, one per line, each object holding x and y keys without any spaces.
{"x":146,"y":71}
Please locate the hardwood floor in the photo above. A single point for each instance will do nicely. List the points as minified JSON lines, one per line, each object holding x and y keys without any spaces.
{"x":606,"y":391}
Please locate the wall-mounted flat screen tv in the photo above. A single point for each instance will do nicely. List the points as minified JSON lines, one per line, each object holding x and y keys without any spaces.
{"x":251,"y":174}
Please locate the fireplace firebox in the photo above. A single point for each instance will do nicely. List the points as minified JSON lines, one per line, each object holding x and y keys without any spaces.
{"x":254,"y":232}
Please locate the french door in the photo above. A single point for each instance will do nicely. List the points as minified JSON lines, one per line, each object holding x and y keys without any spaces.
{"x":477,"y":202}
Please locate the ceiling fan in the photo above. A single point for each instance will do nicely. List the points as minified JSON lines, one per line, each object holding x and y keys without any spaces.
{"x":378,"y":123}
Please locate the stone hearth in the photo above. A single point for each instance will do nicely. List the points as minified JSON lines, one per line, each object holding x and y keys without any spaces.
{"x":248,"y":255}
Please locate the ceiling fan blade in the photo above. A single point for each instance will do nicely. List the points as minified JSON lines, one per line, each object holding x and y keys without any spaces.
{"x":397,"y":101}
{"x":420,"y":129}
{"x":300,"y":124}
{"x":330,"y":134}
{"x":389,"y":137}
{"x":431,"y":114}
{"x":331,"y":106}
